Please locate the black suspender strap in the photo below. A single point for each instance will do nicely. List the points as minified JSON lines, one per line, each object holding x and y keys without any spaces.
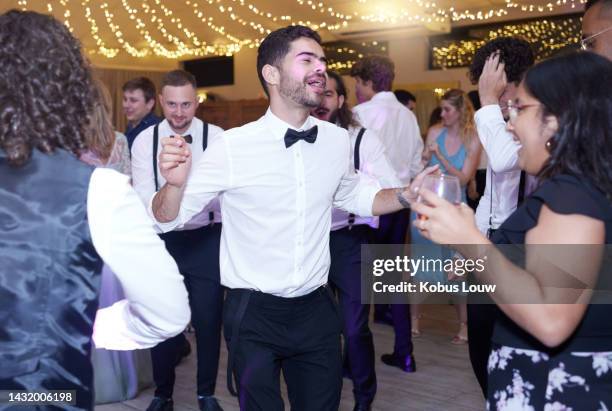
{"x":211,"y":215}
{"x":351,"y":218}
{"x":155,"y":145}
{"x":204,"y":135}
{"x":243,"y":301}
{"x":357,"y":144}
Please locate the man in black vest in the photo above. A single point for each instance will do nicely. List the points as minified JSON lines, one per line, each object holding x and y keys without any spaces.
{"x":195,"y":248}
{"x":349,"y":232}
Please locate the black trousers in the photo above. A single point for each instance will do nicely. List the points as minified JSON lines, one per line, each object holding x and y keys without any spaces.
{"x":345,"y":278}
{"x":197,"y":255}
{"x":392,"y":230}
{"x":481,"y":321}
{"x":300,"y":336}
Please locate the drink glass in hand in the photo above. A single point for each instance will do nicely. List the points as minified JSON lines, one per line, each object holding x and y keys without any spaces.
{"x":445,"y":186}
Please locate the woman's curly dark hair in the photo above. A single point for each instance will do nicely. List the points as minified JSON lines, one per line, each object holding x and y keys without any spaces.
{"x":576,"y":90}
{"x":516,"y":53}
{"x":46,"y":88}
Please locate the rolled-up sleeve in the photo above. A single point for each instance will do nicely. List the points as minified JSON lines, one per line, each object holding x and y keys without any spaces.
{"x":156,"y":304}
{"x":356,"y":194}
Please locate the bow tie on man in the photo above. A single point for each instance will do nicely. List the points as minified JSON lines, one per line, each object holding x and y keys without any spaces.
{"x":292,"y":136}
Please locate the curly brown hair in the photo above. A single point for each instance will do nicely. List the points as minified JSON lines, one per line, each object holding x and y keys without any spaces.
{"x":515,"y":52}
{"x":46,"y":88}
{"x":377,"y":68}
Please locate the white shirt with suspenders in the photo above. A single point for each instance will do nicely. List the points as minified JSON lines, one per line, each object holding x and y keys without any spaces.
{"x":146,"y":177}
{"x":367,"y":157}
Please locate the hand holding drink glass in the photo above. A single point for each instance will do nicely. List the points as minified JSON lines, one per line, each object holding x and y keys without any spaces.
{"x":444,"y":185}
{"x":442,"y":216}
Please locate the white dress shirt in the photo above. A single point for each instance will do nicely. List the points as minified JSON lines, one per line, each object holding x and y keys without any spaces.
{"x":276,"y":203}
{"x":373,"y":163}
{"x":156,"y":305}
{"x":503,"y":172}
{"x":398,"y":130}
{"x":143,"y":177}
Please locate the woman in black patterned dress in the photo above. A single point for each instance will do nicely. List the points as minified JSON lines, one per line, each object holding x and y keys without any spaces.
{"x":552,"y":349}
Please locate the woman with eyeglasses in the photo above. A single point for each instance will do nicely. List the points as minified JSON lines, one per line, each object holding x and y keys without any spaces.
{"x":552,"y":349}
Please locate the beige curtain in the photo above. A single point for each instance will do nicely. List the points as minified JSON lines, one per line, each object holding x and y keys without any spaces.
{"x":114,"y":80}
{"x":427,"y":101}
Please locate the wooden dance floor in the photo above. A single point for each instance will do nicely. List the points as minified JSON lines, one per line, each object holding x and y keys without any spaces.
{"x":443,"y":381}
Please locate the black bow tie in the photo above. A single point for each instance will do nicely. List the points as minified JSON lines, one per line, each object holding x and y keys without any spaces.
{"x":292,"y":136}
{"x":188,"y":138}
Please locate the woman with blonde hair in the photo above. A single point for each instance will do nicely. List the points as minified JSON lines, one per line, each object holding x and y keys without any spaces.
{"x":456,"y":149}
{"x":106,"y":147}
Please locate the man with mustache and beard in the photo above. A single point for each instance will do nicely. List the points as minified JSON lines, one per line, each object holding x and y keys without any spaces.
{"x":278,"y":178}
{"x":195,"y":247}
{"x":380,"y":111}
{"x":349,"y":232}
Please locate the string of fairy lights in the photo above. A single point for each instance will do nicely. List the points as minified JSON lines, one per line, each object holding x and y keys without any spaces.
{"x":162,"y":33}
{"x":546,"y":37}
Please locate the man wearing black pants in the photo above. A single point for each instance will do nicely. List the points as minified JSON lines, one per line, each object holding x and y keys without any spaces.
{"x":380,"y":111}
{"x":348,"y":234}
{"x":497,"y":67}
{"x":278,"y":177}
{"x":195,"y":248}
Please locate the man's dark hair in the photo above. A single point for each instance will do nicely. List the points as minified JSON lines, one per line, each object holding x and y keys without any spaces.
{"x":178,"y":78}
{"x":345,"y":115}
{"x":47,"y":93}
{"x":276,"y":45}
{"x":591,"y":3}
{"x":582,"y":144}
{"x":378,"y":69}
{"x":515,"y":53}
{"x":404,"y":96}
{"x":141,"y":83}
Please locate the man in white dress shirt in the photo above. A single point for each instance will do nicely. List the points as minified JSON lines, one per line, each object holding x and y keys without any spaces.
{"x":349,"y":232}
{"x":195,"y":247}
{"x":380,"y":111}
{"x":279,"y":178}
{"x":498,"y":67}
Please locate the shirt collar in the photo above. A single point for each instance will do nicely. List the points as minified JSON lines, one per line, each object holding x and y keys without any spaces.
{"x":279,"y":127}
{"x":165,"y":129}
{"x":383,"y":95}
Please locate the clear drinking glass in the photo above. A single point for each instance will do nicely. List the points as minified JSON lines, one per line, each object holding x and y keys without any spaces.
{"x":444,"y":185}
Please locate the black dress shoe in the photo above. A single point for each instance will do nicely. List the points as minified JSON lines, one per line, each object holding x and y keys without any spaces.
{"x":161,"y":404}
{"x":404,"y":363}
{"x":362,"y":407}
{"x":209,"y":404}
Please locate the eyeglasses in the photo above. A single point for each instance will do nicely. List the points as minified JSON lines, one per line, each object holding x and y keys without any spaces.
{"x":587,"y":43}
{"x":514,"y":109}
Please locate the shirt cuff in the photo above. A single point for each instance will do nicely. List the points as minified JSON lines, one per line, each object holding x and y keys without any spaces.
{"x":163,"y":227}
{"x":110,"y":329}
{"x":367,"y":194}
